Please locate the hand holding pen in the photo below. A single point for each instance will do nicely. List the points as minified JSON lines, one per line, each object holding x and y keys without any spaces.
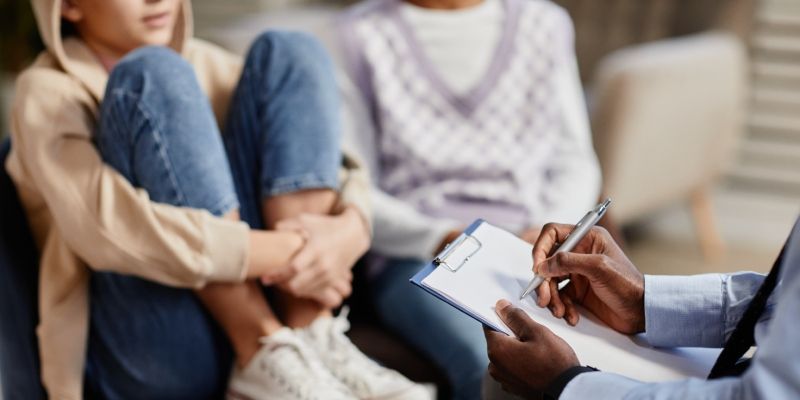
{"x":602,"y":279}
{"x":573,"y":238}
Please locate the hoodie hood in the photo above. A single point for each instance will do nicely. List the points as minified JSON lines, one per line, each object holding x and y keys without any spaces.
{"x":75,"y":58}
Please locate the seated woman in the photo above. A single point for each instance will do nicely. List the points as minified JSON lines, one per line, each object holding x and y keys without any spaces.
{"x":461,"y":109}
{"x":134,"y":198}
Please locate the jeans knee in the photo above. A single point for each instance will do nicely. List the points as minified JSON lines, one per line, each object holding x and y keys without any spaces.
{"x":297,"y":52}
{"x":151,"y":84}
{"x":157,"y":64}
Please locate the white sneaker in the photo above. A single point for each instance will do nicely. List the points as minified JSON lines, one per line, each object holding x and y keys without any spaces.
{"x":363,"y":376}
{"x":285,"y":368}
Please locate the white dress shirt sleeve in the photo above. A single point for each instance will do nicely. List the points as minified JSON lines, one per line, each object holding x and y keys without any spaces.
{"x":696,"y":311}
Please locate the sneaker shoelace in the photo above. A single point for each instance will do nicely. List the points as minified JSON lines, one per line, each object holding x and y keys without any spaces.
{"x":343,"y":351}
{"x":293,"y":372}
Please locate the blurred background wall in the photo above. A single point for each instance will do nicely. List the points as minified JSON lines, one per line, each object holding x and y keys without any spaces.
{"x":770,"y":155}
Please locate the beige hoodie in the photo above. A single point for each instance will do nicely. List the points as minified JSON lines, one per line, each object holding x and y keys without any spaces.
{"x":85,"y":215}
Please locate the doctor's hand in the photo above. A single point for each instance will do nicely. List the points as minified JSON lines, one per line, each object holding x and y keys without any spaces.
{"x":602,"y":279}
{"x":528,"y":364}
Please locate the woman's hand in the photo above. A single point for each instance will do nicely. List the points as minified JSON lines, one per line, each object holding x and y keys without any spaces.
{"x":321,"y":270}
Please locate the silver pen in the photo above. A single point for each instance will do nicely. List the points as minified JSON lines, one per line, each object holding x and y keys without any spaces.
{"x":574,"y":237}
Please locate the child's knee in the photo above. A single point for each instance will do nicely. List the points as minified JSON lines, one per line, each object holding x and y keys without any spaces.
{"x":160,"y":64}
{"x":296,"y":50}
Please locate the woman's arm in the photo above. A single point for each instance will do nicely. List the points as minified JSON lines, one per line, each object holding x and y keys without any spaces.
{"x":576,"y":180}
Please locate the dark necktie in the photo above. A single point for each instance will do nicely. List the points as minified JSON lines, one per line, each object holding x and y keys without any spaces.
{"x":743,"y":337}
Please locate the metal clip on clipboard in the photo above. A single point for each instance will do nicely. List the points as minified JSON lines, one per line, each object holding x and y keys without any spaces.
{"x":458,"y":252}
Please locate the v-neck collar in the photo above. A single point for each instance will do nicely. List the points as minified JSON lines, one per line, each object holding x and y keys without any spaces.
{"x":468,"y":102}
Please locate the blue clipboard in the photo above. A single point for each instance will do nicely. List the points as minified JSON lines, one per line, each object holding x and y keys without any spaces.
{"x":441,"y":261}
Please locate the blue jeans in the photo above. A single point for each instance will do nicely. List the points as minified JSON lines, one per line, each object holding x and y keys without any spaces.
{"x":157,"y":129}
{"x":454,"y":341}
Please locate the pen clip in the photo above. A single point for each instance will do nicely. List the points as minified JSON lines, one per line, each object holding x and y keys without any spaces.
{"x":458,"y":252}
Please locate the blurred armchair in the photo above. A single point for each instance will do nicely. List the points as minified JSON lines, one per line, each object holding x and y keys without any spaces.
{"x":666,"y":118}
{"x":668,"y":99}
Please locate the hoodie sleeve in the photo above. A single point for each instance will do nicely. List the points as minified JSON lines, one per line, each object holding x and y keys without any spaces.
{"x":354,"y":190}
{"x":106,"y":221}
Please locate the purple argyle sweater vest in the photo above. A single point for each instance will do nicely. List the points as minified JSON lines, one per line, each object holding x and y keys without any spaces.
{"x":484,"y":153}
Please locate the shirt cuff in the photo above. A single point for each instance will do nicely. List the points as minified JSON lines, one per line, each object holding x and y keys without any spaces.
{"x":684,"y":310}
{"x":354,"y":190}
{"x":555,"y":388}
{"x":598,"y":385}
{"x":227,"y":249}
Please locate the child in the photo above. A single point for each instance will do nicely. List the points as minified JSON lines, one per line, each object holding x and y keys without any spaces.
{"x":133,"y":194}
{"x":462,"y":109}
